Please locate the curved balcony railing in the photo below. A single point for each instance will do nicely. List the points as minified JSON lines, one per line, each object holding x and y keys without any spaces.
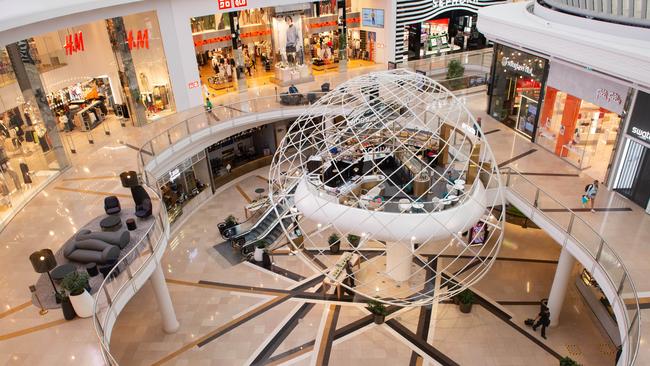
{"x":120,"y":279}
{"x":625,"y":12}
{"x":576,"y":228}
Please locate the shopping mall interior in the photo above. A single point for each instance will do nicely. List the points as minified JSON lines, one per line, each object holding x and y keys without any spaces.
{"x":334,"y":182}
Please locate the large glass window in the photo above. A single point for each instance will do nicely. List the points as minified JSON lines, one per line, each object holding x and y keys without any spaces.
{"x":516,"y":88}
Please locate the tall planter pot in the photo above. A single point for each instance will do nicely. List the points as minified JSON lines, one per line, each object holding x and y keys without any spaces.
{"x":379,"y":318}
{"x":465,"y":308}
{"x":83,"y":304}
{"x":68,"y":310}
{"x":335,"y":247}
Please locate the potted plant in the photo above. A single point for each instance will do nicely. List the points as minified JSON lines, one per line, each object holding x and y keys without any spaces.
{"x":465,"y":301}
{"x":455,"y":70}
{"x":335,"y":243}
{"x":66,"y":306}
{"x":354,"y":240}
{"x":260,"y":247}
{"x":568,"y":361}
{"x":229,"y":222}
{"x":75,"y":284}
{"x":378,"y":310}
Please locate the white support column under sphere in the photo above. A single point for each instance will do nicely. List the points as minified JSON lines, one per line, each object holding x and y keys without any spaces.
{"x":398,"y":261}
{"x":170,"y":323}
{"x":560,"y":284}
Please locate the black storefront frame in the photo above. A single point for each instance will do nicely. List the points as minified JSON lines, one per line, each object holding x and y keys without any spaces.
{"x":540,"y":100}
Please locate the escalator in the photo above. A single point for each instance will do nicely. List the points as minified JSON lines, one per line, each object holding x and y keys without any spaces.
{"x":267,"y":229}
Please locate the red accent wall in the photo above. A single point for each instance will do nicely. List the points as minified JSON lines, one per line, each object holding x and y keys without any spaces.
{"x":569,"y":119}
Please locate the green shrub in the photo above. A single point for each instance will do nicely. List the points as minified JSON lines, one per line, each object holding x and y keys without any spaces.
{"x":377,"y":308}
{"x":75,"y":282}
{"x":466,"y":296}
{"x":568,"y":361}
{"x":333,"y":239}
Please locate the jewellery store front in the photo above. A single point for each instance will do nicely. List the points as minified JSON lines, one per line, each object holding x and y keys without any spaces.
{"x":516,"y":88}
{"x":632,"y":178}
{"x":580,"y":118}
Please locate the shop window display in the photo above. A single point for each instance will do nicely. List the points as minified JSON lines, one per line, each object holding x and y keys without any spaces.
{"x":83,"y":105}
{"x":181,"y":186}
{"x":516,"y":89}
{"x":289,"y":48}
{"x":590,"y":143}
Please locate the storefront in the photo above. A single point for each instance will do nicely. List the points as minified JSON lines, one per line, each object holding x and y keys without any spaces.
{"x":581,"y":117}
{"x":450,"y":31}
{"x":632,"y":178}
{"x":516,"y":89}
{"x":185,"y":186}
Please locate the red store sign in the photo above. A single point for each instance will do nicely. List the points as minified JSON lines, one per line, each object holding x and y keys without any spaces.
{"x":74,"y":43}
{"x":229,"y":4}
{"x":141,"y":40}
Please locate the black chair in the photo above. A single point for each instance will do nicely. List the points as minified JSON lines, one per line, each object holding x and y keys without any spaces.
{"x":112,"y":205}
{"x":144,"y":209}
{"x":325,"y":87}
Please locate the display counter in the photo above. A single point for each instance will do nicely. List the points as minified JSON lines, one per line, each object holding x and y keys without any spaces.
{"x":285,"y":76}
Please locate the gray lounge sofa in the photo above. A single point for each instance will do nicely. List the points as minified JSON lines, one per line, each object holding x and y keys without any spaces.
{"x":118,"y":238}
{"x":91,"y":250}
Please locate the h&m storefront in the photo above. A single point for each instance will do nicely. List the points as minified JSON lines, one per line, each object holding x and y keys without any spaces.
{"x":581,"y":117}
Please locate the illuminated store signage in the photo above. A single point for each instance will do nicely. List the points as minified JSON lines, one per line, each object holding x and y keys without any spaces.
{"x":443,"y":3}
{"x":230,"y":4}
{"x":639,"y":125}
{"x":174,"y":174}
{"x":74,"y":43}
{"x":141,"y":40}
{"x":516,"y":66}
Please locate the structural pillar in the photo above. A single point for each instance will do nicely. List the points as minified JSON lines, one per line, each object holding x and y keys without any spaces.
{"x":157,"y":279}
{"x":560,"y":285}
{"x":569,"y":120}
{"x":343,"y":37}
{"x":399,"y":258}
{"x":128,"y":76}
{"x":240,"y":68}
{"x":31,"y":87}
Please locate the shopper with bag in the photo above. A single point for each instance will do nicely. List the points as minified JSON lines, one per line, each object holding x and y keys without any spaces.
{"x":591,"y":190}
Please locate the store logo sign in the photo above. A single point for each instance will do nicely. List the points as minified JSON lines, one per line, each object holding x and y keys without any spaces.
{"x":229,"y":4}
{"x":516,"y":66}
{"x":174,"y":174}
{"x":445,"y":3}
{"x":609,"y":96}
{"x":642,"y":134}
{"x":193,"y":84}
{"x":141,"y":40}
{"x":74,"y":43}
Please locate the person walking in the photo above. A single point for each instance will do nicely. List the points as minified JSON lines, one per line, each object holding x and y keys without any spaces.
{"x":478,"y":122}
{"x":208,"y":105}
{"x":591,"y":191}
{"x":543,"y":320}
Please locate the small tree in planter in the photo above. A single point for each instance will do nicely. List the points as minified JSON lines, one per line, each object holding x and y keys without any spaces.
{"x":568,"y":361}
{"x":465,"y":301}
{"x":335,"y":243}
{"x":354,"y":240}
{"x":75,"y":284}
{"x":378,"y":310}
{"x":455,"y":70}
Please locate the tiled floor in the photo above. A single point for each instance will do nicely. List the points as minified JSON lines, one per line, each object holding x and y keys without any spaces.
{"x":55,"y":214}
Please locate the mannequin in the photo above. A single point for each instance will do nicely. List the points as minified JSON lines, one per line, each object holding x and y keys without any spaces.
{"x":5,"y":168}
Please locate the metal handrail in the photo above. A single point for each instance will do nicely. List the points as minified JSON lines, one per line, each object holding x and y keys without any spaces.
{"x":631,"y":323}
{"x":610,"y":14}
{"x":124,"y":264}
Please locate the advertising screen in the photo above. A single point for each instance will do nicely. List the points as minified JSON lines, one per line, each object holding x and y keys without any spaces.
{"x":373,"y":18}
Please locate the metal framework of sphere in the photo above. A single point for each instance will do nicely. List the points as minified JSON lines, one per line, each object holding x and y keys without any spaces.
{"x":393,"y":165}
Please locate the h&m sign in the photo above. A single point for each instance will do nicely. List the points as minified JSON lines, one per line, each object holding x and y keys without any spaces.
{"x":74,"y":43}
{"x":230,"y":4}
{"x":140,"y":41}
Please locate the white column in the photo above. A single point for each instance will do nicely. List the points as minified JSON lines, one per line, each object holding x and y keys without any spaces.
{"x":157,"y":279}
{"x":398,"y":261}
{"x":560,"y":284}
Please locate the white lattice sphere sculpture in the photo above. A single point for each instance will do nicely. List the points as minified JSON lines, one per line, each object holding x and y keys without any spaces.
{"x":385,"y":185}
